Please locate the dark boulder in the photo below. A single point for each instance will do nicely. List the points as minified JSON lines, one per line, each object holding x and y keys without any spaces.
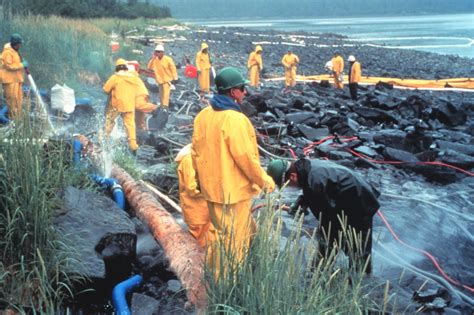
{"x":449,"y":114}
{"x":376,"y":115}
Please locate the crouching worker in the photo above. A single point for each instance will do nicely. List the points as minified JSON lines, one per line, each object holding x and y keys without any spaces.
{"x":122,"y":89}
{"x":195,"y":212}
{"x":332,"y":191}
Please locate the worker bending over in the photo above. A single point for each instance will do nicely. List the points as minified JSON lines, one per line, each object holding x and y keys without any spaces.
{"x":290,"y":62}
{"x":122,"y":89}
{"x":165,"y":74}
{"x":255,"y":66}
{"x":355,"y":73}
{"x":12,"y":67}
{"x":226,"y":159}
{"x":338,"y":70}
{"x":195,"y":212}
{"x":332,"y":191}
{"x":203,"y":65}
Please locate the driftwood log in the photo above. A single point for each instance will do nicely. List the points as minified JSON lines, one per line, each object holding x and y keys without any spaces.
{"x":184,"y":254}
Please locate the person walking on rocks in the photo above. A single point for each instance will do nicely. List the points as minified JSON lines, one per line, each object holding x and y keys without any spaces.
{"x":338,"y":70}
{"x":290,"y":62}
{"x":203,"y":65}
{"x":142,"y":104}
{"x":332,"y":192}
{"x":122,"y":89}
{"x":12,"y":67}
{"x":355,"y":73}
{"x":226,"y":159}
{"x":195,"y":212}
{"x":165,"y":74}
{"x":255,"y":66}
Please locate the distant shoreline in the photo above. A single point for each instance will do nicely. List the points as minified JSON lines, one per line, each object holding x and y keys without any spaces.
{"x":448,"y":34}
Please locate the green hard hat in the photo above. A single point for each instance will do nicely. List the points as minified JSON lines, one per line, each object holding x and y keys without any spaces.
{"x":16,"y":39}
{"x":277,"y":169}
{"x":228,"y":78}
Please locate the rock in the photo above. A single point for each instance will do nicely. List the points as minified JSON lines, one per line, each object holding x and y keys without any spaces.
{"x":144,"y":305}
{"x":180,"y":120}
{"x":365,"y":150}
{"x":448,"y":114}
{"x":390,"y":138}
{"x":313,"y":134}
{"x":162,"y":175}
{"x":376,"y":115}
{"x":248,"y":109}
{"x":173,"y":286}
{"x":99,"y":231}
{"x":392,"y":154}
{"x":462,"y":148}
{"x":301,"y":118}
{"x":456,"y":158}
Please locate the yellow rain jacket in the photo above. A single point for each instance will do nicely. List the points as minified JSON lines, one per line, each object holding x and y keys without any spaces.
{"x":195,"y":212}
{"x":255,"y":65}
{"x":164,"y":68}
{"x":11,"y":68}
{"x":338,"y":64}
{"x":290,"y":61}
{"x":355,"y":72}
{"x":203,"y":62}
{"x":225,"y":154}
{"x":203,"y":65}
{"x":122,"y":87}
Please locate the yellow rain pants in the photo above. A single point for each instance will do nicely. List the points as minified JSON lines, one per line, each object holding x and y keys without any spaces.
{"x":13,"y":95}
{"x":129,"y":122}
{"x":229,"y":236}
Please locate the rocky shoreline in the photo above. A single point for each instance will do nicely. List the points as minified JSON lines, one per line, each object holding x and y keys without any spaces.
{"x":410,"y":127}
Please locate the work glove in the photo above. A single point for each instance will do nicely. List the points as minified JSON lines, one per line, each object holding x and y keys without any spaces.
{"x":25,"y":64}
{"x":299,"y":202}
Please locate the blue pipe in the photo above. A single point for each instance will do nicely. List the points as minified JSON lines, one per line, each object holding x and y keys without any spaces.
{"x":114,"y":186}
{"x":119,"y":294}
{"x":3,"y":115}
{"x":76,"y":149}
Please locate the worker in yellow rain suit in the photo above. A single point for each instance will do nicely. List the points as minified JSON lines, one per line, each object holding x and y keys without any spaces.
{"x":195,"y":212}
{"x":122,"y":89}
{"x":11,"y":75}
{"x":203,"y":65}
{"x":255,"y":66}
{"x":165,"y":74}
{"x":142,"y":105}
{"x":225,"y":157}
{"x":290,"y":62}
{"x":355,"y":73}
{"x":338,"y":70}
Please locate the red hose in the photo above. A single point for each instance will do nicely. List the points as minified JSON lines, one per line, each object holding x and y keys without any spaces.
{"x":420,"y":163}
{"x":431,"y":257}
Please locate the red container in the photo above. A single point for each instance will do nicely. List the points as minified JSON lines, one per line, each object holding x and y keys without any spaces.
{"x":190,"y":71}
{"x":115,"y":46}
{"x":134,"y":63}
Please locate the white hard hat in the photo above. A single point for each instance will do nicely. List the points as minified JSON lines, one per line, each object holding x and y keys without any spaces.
{"x":351,"y":58}
{"x":159,"y":47}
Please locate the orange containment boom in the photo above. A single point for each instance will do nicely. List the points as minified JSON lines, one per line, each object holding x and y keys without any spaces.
{"x":463,"y":84}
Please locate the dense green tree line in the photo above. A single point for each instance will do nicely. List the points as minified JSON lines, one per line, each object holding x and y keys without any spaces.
{"x":85,"y":8}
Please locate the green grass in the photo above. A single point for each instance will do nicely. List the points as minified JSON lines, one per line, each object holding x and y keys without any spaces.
{"x":32,"y":258}
{"x":289,"y":278}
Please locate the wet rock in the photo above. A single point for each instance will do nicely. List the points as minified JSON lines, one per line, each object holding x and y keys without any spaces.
{"x":273,"y":129}
{"x":376,"y":115}
{"x":367,"y":151}
{"x":297,"y":103}
{"x":248,"y":109}
{"x":144,"y":305}
{"x":173,"y":286}
{"x":390,"y":138}
{"x":180,"y":120}
{"x":163,"y":176}
{"x":313,"y":134}
{"x":302,"y":118}
{"x":462,"y":148}
{"x":456,"y":158}
{"x":448,"y":114}
{"x":100,"y":232}
{"x":392,"y":154}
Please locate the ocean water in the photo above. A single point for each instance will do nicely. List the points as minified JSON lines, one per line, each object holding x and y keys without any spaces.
{"x":442,"y":34}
